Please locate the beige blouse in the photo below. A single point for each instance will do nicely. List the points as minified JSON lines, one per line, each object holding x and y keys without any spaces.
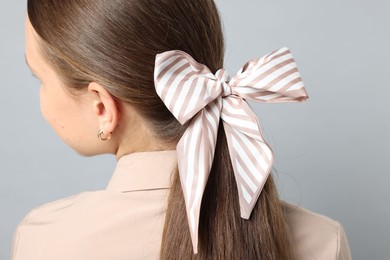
{"x":125,"y":221}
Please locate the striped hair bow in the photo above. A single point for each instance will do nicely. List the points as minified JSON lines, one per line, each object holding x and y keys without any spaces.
{"x":191,"y":91}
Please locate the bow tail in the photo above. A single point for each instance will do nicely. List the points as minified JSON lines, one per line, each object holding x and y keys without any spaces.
{"x":195,"y":152}
{"x":250,"y":155}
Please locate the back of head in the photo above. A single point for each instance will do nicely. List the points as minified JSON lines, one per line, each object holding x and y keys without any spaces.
{"x":115,"y":44}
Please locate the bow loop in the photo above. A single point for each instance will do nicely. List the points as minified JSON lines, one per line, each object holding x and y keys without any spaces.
{"x":270,"y":79}
{"x":191,"y":91}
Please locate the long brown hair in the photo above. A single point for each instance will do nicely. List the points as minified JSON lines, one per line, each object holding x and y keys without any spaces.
{"x":115,"y":43}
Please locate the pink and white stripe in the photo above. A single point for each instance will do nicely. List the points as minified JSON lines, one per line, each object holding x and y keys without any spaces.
{"x":192,"y":92}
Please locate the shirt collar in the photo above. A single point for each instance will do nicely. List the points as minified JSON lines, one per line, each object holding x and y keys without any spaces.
{"x":143,"y":171}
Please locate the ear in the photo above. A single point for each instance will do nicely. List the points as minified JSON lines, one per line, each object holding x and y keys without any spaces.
{"x":105,"y":108}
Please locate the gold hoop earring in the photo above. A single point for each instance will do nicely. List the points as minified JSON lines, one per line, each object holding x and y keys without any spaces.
{"x":100,"y":136}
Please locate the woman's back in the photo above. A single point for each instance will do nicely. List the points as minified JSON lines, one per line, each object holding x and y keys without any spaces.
{"x":126,"y":220}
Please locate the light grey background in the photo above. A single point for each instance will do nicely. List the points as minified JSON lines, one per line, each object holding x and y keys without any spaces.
{"x":332,"y":151}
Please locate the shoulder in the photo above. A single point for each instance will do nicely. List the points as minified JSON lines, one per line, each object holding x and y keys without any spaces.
{"x":58,"y":211}
{"x":60,"y":206}
{"x":316,"y":236}
{"x":79,"y":208}
{"x":40,"y":223}
{"x":71,"y":214}
{"x":88,"y":220}
{"x":94,"y":204}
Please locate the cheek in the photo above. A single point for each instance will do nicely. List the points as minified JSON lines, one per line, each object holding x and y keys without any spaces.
{"x":43,"y":105}
{"x":71,"y":122}
{"x":50,"y":109}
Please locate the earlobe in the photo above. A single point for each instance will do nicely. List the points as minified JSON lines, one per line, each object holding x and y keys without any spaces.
{"x":105,"y":108}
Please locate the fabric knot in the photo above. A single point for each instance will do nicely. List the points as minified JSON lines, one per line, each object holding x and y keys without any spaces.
{"x":223,"y":79}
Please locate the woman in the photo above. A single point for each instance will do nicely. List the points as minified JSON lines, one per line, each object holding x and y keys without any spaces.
{"x":114,"y":67}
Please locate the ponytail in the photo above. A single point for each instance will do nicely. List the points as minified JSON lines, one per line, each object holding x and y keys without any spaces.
{"x":223,"y":234}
